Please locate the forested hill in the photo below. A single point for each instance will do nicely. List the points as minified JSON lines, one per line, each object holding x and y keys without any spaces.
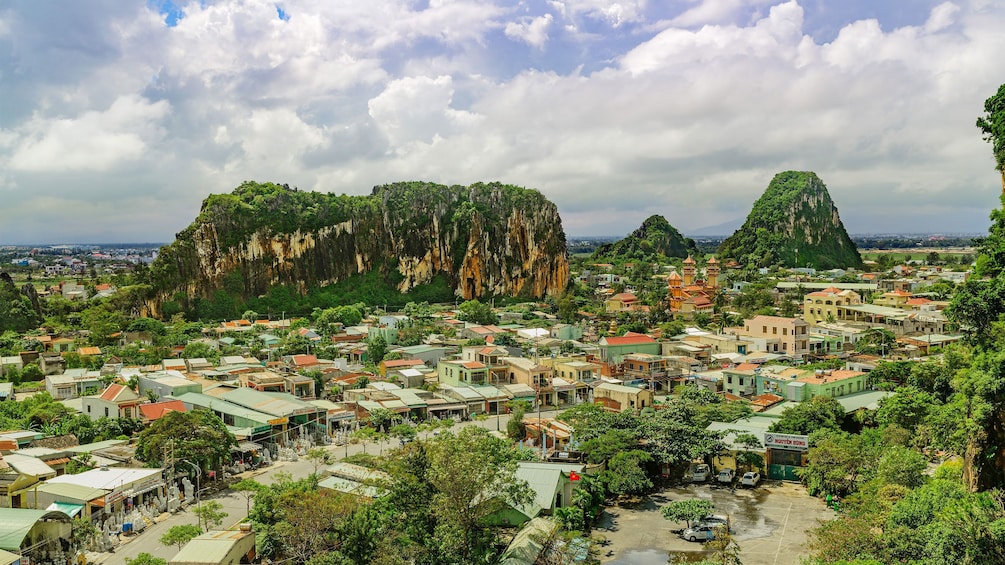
{"x":654,"y":237}
{"x":483,"y":240}
{"x":794,"y":223}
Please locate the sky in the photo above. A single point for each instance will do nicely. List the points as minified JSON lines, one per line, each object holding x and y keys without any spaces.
{"x":117,"y":118}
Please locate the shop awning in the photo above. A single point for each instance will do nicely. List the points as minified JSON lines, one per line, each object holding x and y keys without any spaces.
{"x":437,"y":408}
{"x":245,"y":446}
{"x":70,"y":510}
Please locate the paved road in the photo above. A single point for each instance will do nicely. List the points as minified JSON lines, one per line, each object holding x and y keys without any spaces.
{"x":234,"y":504}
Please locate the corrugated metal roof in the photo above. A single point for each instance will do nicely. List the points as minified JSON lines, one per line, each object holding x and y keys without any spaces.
{"x":223,"y":406}
{"x":15,"y":523}
{"x":214,"y":547}
{"x":71,"y":491}
{"x":277,"y":404}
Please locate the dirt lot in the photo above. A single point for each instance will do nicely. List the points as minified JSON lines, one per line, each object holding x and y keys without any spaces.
{"x":770,"y":524}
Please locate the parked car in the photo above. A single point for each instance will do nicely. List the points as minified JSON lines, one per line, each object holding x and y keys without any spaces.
{"x":701,"y":532}
{"x":726,"y":475}
{"x":700,"y":473}
{"x":750,"y":479}
{"x":713,"y":520}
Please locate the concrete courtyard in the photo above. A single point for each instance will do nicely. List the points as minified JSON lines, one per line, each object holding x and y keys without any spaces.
{"x":770,"y":523}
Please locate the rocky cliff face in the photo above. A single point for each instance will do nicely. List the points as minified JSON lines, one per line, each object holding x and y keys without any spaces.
{"x":488,"y":239}
{"x":795,"y":223}
{"x":654,"y":237}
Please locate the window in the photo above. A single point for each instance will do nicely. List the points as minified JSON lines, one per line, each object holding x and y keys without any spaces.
{"x":774,"y":331}
{"x":785,"y":331}
{"x":764,"y":329}
{"x":106,"y":411}
{"x":88,"y":409}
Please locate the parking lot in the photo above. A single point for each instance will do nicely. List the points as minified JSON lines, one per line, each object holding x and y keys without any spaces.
{"x":769,"y":523}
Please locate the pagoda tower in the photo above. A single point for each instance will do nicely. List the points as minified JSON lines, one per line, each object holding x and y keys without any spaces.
{"x":712,"y":273}
{"x":688,"y":271}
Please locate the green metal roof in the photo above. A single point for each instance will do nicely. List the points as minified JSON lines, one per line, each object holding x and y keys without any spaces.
{"x":868,"y":400}
{"x":277,"y":404}
{"x":70,"y":510}
{"x":220,"y":405}
{"x":71,"y":491}
{"x":15,"y":523}
{"x":215,"y":547}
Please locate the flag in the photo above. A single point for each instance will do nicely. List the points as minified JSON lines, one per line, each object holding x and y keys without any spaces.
{"x":573,"y":476}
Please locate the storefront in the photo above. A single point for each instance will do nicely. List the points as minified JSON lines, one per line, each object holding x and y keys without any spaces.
{"x":784,"y":454}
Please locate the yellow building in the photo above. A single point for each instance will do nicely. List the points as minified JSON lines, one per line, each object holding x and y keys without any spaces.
{"x":823,"y":305}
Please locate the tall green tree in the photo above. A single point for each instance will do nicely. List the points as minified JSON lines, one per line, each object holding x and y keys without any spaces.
{"x":992,"y":125}
{"x":488,"y":467}
{"x":180,"y":535}
{"x":198,"y":436}
{"x":477,"y":313}
{"x":804,"y":418}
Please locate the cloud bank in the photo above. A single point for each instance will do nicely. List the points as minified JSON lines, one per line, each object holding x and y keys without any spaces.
{"x":118,"y":119}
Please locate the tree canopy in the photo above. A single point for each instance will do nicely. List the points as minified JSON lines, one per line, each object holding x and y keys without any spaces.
{"x":198,"y":436}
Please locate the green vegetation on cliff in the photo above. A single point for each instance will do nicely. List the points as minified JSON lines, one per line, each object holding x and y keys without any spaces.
{"x":655,"y":238}
{"x":426,"y":240}
{"x":794,"y":223}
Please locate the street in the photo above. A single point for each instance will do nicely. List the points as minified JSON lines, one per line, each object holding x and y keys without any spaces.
{"x":235,"y":504}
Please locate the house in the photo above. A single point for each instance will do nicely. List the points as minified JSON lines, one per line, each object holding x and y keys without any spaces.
{"x":123,"y":486}
{"x":162,"y":384}
{"x":834,"y":383}
{"x":566,"y":332}
{"x":51,"y":363}
{"x":823,"y":305}
{"x":481,"y":332}
{"x":620,"y":398}
{"x":18,"y":475}
{"x":653,"y":369}
{"x":457,"y":372}
{"x":739,"y":381}
{"x":430,"y":355}
{"x":74,"y":383}
{"x":788,"y":336}
{"x":613,"y":348}
{"x":535,"y":375}
{"x":622,"y":302}
{"x":397,"y":364}
{"x":552,"y":485}
{"x":117,"y":401}
{"x":492,"y":356}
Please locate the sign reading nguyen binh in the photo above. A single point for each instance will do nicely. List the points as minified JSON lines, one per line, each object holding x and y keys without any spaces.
{"x":786,"y":441}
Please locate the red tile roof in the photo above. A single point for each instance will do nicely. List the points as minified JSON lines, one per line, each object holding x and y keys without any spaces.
{"x":473,"y":365}
{"x":630,"y":338}
{"x":112,"y":392}
{"x":402,"y":363}
{"x":305,"y":360}
{"x":156,"y":410}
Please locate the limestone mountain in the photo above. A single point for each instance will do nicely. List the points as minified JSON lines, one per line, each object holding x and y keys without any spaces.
{"x":794,"y":223}
{"x":482,"y":240}
{"x":654,"y":236}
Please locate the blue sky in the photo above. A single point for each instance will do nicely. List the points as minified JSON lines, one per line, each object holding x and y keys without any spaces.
{"x":118,"y":118}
